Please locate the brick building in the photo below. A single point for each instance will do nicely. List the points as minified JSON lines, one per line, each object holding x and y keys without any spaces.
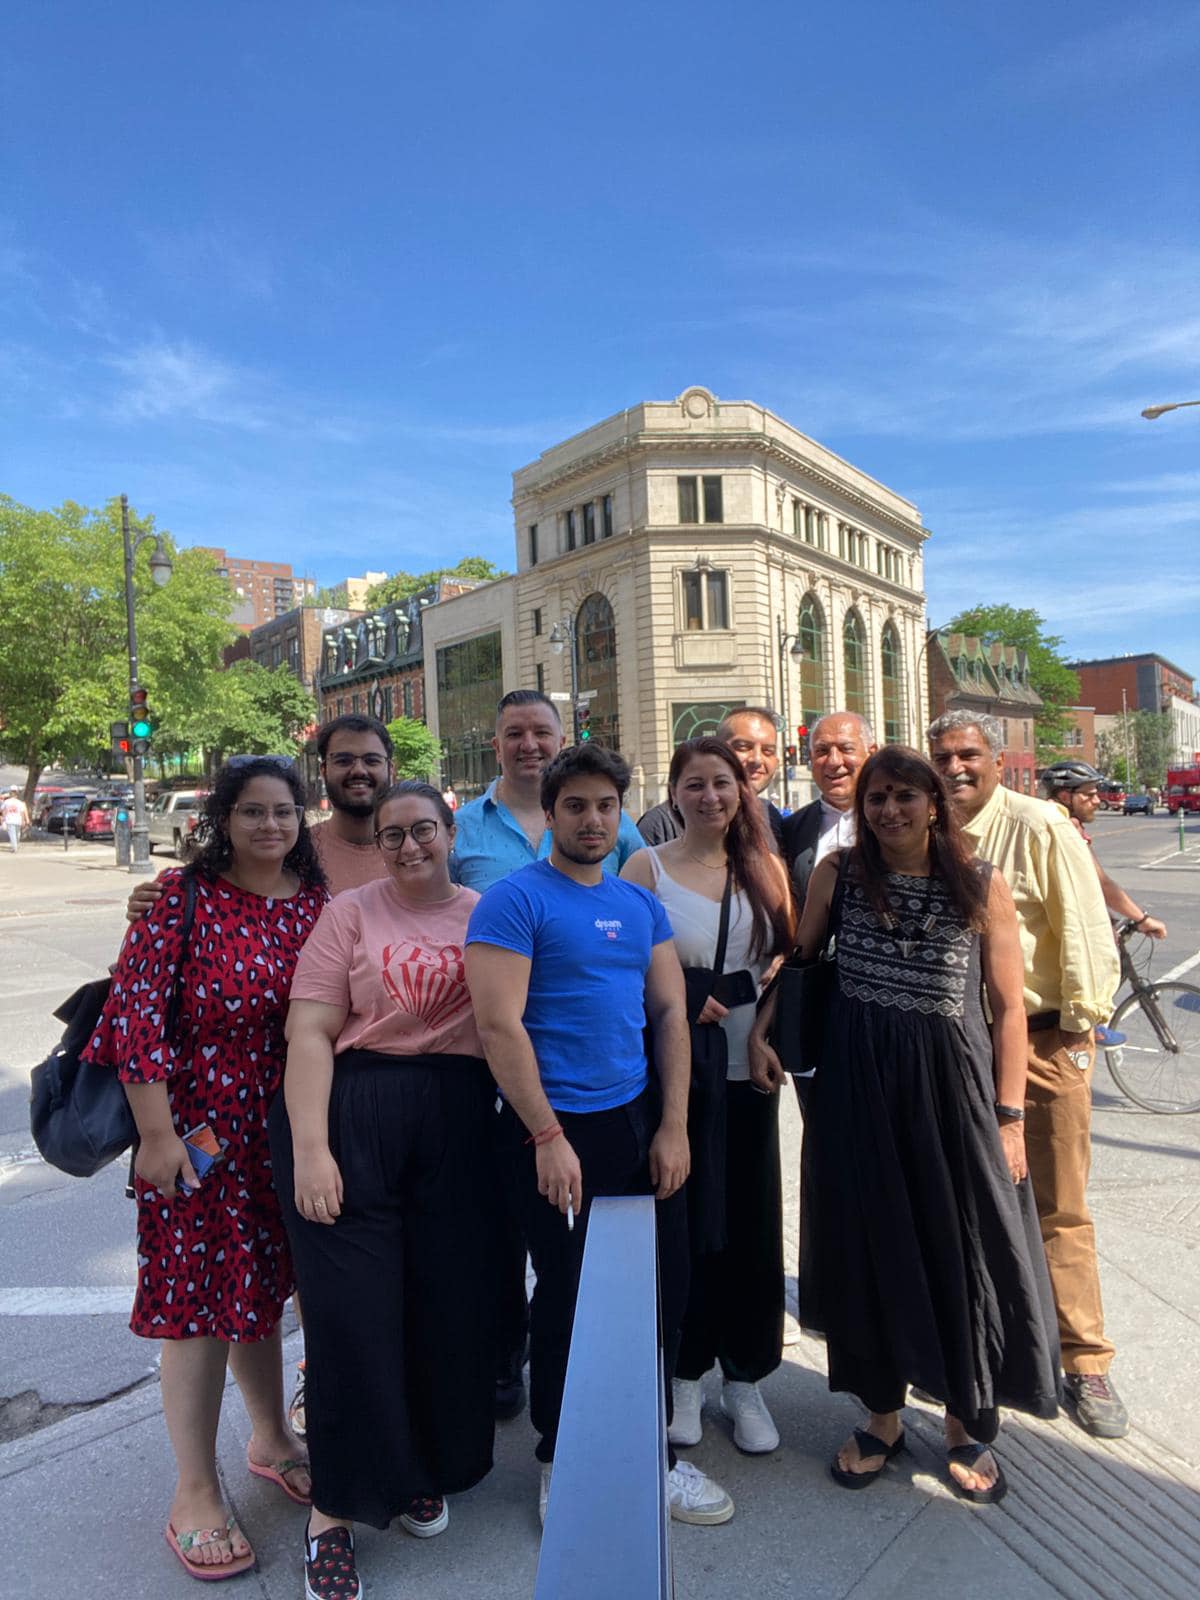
{"x":263,"y":590}
{"x":967,"y":675}
{"x":373,"y":664}
{"x":1148,"y":682}
{"x":294,"y":640}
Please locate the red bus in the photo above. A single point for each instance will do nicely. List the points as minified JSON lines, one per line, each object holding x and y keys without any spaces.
{"x":1183,"y":789}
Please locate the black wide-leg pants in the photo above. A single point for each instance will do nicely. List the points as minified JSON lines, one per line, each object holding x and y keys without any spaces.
{"x":398,"y":1292}
{"x":613,"y":1149}
{"x":735,"y":1306}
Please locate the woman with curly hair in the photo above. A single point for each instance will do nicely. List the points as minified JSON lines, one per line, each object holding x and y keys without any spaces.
{"x":213,"y":1264}
{"x":920,"y":1256}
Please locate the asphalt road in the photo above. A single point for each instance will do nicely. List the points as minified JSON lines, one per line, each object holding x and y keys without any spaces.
{"x":66,"y":1246}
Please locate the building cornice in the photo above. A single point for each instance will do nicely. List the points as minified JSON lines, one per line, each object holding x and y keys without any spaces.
{"x":749,"y":441}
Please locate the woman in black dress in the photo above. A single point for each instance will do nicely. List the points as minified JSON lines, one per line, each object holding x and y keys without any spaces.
{"x":920,"y":1258}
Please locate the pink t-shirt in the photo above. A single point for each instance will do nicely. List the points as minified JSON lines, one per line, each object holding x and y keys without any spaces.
{"x":399,"y":969}
{"x":347,"y":866}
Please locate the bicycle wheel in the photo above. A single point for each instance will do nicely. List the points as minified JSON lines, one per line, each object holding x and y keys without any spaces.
{"x":1158,"y":1067}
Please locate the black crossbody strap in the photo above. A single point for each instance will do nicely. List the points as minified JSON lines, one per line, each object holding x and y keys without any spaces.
{"x":723,"y":926}
{"x":189,"y":918}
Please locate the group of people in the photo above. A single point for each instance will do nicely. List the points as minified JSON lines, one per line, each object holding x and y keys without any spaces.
{"x":424,"y":1039}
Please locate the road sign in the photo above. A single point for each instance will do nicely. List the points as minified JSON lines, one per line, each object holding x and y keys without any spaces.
{"x":585,"y":694}
{"x":557,"y":694}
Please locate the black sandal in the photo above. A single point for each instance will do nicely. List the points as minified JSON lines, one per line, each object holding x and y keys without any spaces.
{"x":966,"y":1455}
{"x":869,"y":1444}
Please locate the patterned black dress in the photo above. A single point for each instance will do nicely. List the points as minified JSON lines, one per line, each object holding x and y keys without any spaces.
{"x":920,"y":1260}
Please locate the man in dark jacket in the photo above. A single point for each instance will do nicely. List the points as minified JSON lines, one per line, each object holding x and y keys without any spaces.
{"x":751,"y":732}
{"x":839,"y":745}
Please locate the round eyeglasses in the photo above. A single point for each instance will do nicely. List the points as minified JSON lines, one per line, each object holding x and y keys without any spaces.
{"x":393,"y":838}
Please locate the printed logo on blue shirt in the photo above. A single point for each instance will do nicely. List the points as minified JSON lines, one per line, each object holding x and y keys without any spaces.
{"x":610,"y":927}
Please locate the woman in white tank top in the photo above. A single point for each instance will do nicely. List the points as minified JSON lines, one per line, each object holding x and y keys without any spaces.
{"x":735,"y":1310}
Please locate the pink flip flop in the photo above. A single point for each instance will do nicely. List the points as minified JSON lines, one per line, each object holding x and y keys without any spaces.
{"x":277,"y":1473}
{"x":181,"y":1543}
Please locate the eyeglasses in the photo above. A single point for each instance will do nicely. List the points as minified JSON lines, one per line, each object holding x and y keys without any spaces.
{"x":393,"y":838}
{"x":255,"y":815}
{"x":343,"y":761}
{"x":235,"y":762}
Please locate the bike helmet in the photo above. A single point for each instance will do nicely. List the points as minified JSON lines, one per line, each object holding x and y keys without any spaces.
{"x":1069,"y":775}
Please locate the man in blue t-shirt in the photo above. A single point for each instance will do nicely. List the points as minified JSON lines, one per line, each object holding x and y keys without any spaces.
{"x":566,"y":965}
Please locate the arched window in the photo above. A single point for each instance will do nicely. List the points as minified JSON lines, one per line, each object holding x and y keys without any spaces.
{"x":811,"y":630}
{"x":891,"y":668}
{"x":596,"y":666}
{"x":854,"y":653}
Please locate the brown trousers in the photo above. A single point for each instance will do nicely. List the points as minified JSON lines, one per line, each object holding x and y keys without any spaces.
{"x":1058,"y":1116}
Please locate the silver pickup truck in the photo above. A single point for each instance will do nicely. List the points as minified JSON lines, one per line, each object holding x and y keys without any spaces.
{"x":173,"y":818}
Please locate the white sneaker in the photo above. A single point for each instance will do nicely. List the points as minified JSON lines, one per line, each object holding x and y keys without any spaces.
{"x":753,"y":1430}
{"x":687,"y":1397}
{"x":792,"y":1333}
{"x":695,"y":1498}
{"x":544,"y":1492}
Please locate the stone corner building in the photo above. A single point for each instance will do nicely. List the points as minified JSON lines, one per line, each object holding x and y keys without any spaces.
{"x":708,"y":555}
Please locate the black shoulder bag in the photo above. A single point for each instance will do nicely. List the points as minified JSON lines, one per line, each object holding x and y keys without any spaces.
{"x":706,"y":1098}
{"x":78,"y":1113}
{"x":803,"y":990}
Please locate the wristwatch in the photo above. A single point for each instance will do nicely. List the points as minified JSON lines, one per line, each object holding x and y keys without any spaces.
{"x":1010,"y":1113}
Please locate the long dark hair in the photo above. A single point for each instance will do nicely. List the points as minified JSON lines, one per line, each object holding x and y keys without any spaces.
{"x":747,"y":846}
{"x":950,"y":855}
{"x":212,"y":852}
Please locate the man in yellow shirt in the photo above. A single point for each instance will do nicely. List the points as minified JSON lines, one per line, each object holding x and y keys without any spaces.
{"x":1071,"y":975}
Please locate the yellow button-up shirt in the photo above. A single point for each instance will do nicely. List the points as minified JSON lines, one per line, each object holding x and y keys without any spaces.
{"x":1071,"y":963}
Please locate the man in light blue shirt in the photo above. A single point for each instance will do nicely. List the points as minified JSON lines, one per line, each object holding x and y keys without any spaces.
{"x":506,"y":827}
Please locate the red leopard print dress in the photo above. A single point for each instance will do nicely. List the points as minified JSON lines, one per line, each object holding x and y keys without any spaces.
{"x":215,"y":1263}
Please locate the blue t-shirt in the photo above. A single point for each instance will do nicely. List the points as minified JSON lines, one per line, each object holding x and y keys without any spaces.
{"x":489,"y":843}
{"x":589,"y":948}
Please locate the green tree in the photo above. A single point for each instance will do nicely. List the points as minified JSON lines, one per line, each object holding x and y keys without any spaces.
{"x":63,"y":661}
{"x":1048,"y":671}
{"x":416,"y":753}
{"x":1150,"y":744}
{"x":250,"y":710}
{"x":402,"y":584}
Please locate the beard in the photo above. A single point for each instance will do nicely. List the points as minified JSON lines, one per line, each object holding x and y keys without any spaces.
{"x":351,"y":808}
{"x":584,"y":856}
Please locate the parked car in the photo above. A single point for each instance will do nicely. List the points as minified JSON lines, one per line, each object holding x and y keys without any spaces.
{"x":1139,"y":804}
{"x":95,"y":817}
{"x":59,"y":816}
{"x":173,"y":818}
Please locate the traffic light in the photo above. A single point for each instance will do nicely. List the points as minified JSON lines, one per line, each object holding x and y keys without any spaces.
{"x":802,"y":736}
{"x":141,"y":723}
{"x":790,"y":755}
{"x":583,"y":721}
{"x":119,"y":734}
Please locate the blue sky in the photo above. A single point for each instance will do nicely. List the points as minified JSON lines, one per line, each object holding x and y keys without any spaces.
{"x":310,"y":280}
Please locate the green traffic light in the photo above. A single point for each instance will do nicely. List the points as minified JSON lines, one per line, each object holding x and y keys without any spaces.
{"x":140,"y":729}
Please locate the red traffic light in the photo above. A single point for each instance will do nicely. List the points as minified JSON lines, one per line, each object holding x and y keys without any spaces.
{"x":802,"y":731}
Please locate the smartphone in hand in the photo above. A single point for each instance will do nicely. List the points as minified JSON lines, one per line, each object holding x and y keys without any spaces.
{"x":204,"y":1152}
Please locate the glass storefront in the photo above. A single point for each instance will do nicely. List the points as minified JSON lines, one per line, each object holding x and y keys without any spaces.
{"x":469,"y":683}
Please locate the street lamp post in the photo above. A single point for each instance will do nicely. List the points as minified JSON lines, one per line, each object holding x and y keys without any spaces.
{"x":562,"y":637}
{"x":1151,"y":413}
{"x":160,"y":571}
{"x":797,"y":653}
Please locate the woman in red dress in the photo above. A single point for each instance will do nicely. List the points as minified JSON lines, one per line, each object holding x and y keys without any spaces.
{"x":213,"y":1264}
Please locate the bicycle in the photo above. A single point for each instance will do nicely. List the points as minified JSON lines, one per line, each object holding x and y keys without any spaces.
{"x":1158,"y":1066}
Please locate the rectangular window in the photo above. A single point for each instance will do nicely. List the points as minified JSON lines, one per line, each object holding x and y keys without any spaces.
{"x":689,"y":506}
{"x":406,"y":690}
{"x":539,"y":678}
{"x":570,"y":520}
{"x":713,"y":504}
{"x":797,"y":519}
{"x":705,"y":600}
{"x":606,"y":508}
{"x":533,"y":544}
{"x":843,"y":541}
{"x":537,"y":621}
{"x":589,"y":522}
{"x":389,"y":705}
{"x":355,"y":704}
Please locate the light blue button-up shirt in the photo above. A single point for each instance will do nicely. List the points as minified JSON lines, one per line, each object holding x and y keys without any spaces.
{"x":490,"y":843}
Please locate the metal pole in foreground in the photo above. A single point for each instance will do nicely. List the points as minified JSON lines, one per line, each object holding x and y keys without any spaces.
{"x":140,"y":839}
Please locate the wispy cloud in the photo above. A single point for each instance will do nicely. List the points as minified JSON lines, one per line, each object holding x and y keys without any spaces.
{"x":162,"y":380}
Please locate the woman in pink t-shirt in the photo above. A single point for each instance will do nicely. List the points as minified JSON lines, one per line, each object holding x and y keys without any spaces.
{"x":380,"y":1148}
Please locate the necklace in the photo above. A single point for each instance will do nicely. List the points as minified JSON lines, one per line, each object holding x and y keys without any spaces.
{"x":917,"y":931}
{"x":708,"y":864}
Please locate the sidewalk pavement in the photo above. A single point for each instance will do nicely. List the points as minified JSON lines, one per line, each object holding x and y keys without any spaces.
{"x":86,"y":1497}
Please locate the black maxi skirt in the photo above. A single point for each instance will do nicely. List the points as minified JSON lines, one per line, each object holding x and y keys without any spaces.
{"x":920,"y":1260}
{"x":399,"y":1292}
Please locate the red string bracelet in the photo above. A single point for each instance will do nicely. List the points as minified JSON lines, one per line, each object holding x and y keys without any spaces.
{"x":552,"y":1132}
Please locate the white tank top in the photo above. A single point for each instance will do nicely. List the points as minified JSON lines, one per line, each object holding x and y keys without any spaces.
{"x":696,"y":922}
